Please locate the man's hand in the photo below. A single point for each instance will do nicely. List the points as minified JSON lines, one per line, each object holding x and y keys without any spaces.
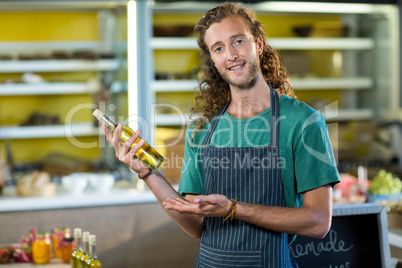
{"x":126,"y":152}
{"x":204,"y":205}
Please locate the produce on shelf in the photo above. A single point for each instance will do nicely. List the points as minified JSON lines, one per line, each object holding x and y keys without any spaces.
{"x":349,"y":190}
{"x":36,"y":184}
{"x":384,"y":183}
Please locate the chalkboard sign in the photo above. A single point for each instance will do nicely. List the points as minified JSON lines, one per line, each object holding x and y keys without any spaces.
{"x":358,"y":238}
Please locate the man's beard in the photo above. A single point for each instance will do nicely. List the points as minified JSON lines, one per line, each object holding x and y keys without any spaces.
{"x":247,"y":81}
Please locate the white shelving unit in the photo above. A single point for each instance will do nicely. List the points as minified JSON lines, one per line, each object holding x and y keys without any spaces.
{"x":79,"y":69}
{"x":78,"y":129}
{"x":359,"y":79}
{"x":59,"y":88}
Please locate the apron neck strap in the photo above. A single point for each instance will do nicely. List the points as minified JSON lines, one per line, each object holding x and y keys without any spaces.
{"x":274,"y":116}
{"x":208,"y":137}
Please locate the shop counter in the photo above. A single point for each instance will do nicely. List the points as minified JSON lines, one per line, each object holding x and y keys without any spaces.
{"x":9,"y":201}
{"x":54,"y":263}
{"x":131,"y":227}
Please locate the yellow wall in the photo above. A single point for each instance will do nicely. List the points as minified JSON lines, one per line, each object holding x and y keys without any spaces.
{"x":40,"y":26}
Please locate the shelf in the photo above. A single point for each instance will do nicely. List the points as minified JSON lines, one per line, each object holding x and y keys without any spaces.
{"x":345,"y":83}
{"x":305,"y":43}
{"x":174,"y":85}
{"x":49,"y":131}
{"x":46,"y":46}
{"x":12,"y":66}
{"x":62,"y":88}
{"x":163,"y":120}
{"x":297,"y":43}
{"x":48,"y":88}
{"x":272,"y":7}
{"x":348,"y":83}
{"x":349,"y":115}
{"x":174,"y":43}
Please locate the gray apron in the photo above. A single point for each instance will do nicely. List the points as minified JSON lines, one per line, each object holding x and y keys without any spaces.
{"x":250,"y":175}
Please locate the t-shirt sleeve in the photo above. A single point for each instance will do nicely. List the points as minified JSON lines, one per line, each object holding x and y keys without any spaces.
{"x":315,"y":164}
{"x":191,"y":172}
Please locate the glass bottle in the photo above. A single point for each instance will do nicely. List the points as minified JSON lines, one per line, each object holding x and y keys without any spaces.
{"x":79,"y":254}
{"x":146,"y":154}
{"x":85,"y":250}
{"x":41,"y":248}
{"x":93,"y":260}
{"x":77,"y":247}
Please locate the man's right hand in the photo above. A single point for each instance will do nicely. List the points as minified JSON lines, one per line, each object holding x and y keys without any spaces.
{"x":126,"y":152}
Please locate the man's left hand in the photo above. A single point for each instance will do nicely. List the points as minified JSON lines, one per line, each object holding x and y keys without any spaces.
{"x":214,"y":205}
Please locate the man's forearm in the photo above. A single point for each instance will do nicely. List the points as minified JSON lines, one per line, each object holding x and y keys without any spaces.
{"x":313,"y":219}
{"x":300,"y":221}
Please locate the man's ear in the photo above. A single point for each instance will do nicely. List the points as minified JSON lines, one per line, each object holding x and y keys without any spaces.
{"x":260,"y":45}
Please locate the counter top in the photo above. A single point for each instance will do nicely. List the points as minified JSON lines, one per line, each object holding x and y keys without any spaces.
{"x":54,"y":263}
{"x":10,"y":202}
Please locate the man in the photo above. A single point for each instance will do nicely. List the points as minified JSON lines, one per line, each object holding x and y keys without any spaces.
{"x":258,"y":163}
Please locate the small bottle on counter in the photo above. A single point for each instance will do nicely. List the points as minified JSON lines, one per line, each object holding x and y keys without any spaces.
{"x":146,"y":154}
{"x":93,"y":260}
{"x":85,"y":250}
{"x":77,"y":247}
{"x":41,"y":248}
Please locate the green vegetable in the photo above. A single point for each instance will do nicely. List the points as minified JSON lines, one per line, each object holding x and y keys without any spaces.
{"x":385,"y":183}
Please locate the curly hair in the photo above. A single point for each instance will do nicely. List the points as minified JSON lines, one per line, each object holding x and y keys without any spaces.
{"x":214,"y":92}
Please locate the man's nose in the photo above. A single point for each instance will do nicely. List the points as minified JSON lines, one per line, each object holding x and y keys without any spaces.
{"x":232,"y":54}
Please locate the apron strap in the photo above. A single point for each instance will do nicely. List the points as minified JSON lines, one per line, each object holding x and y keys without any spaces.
{"x":274,"y":116}
{"x":208,"y":137}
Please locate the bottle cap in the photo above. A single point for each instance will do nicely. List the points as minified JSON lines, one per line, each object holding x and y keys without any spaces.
{"x":85,"y":236}
{"x":77,"y":232}
{"x":92,"y":239}
{"x":98,"y":114}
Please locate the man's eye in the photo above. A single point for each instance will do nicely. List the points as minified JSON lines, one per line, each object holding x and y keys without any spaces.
{"x":218,"y":49}
{"x":239,"y":42}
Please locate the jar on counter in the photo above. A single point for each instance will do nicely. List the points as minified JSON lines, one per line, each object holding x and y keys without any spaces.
{"x":58,"y":234}
{"x":67,"y":248}
{"x":41,"y":248}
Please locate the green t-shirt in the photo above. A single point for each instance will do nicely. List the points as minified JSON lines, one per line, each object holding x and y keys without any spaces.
{"x":305,"y":152}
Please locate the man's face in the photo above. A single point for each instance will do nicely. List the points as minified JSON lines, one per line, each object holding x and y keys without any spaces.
{"x":234,"y":51}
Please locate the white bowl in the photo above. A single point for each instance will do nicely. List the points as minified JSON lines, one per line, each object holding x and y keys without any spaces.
{"x":101,"y":182}
{"x":75,"y":183}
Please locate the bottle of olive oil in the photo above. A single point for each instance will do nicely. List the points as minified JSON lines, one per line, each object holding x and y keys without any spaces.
{"x":85,"y":250}
{"x":80,"y":253}
{"x":93,"y":260}
{"x":146,"y":154}
{"x":77,"y":247}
